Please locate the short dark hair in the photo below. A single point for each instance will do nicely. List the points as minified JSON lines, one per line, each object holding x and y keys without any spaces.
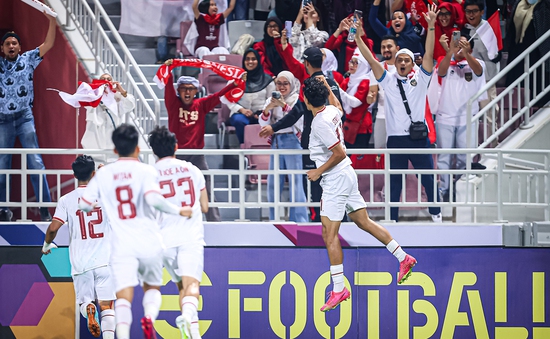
{"x":315,"y":91}
{"x":390,"y":37}
{"x":125,"y":137}
{"x":204,"y":5}
{"x":162,"y":142}
{"x":83,"y":167}
{"x":477,"y":3}
{"x":315,"y":63}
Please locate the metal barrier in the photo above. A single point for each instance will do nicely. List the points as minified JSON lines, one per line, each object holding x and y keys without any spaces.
{"x":107,"y":59}
{"x":515,"y":183}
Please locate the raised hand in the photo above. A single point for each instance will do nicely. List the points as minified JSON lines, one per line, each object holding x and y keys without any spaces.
{"x":169,"y":62}
{"x":444,"y":41}
{"x":431,"y":16}
{"x":465,"y":45}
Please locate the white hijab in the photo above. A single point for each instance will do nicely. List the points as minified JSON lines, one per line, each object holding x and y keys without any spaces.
{"x":362,"y":73}
{"x":293,"y":94}
{"x":330,"y":63}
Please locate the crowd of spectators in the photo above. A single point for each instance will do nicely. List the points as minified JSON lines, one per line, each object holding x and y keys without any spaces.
{"x":316,"y":41}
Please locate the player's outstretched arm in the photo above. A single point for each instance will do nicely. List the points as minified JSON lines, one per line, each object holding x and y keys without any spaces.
{"x":156,"y":200}
{"x":51,"y":232}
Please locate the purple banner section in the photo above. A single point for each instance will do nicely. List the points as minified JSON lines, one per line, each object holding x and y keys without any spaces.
{"x":453,"y":293}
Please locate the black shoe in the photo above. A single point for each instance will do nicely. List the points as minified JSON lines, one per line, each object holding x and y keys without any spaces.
{"x":45,"y":214}
{"x":6,"y":215}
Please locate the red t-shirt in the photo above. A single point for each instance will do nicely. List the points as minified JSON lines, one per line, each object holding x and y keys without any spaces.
{"x":187,"y":121}
{"x":209,"y":35}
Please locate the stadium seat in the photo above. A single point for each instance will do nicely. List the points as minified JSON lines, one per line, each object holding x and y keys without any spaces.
{"x":252,"y":140}
{"x":181,"y":50}
{"x":239,"y":27}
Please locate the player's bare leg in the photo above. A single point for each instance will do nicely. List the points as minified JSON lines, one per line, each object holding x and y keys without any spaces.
{"x":188,"y":322}
{"x":406,"y":262}
{"x":339,"y":292}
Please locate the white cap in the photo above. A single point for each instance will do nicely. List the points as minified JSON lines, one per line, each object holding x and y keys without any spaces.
{"x":405,"y":51}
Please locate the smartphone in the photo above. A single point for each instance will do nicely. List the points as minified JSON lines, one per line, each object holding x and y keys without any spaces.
{"x":305,"y":2}
{"x":456,"y":37}
{"x":288,"y":27}
{"x":358,"y":15}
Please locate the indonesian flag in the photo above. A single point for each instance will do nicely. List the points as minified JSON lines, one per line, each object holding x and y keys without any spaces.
{"x":489,"y":32}
{"x":227,"y":72}
{"x":86,"y":94}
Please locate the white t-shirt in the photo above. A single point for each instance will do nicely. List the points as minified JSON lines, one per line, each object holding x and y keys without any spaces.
{"x":89,"y":233}
{"x":415,"y":86}
{"x":326,"y":133}
{"x":457,"y":87}
{"x":181,"y":183}
{"x":381,"y":113}
{"x":121,"y":187}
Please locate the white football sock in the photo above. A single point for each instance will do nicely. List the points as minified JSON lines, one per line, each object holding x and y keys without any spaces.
{"x":396,"y":250}
{"x":337,"y":275}
{"x":152,"y":300}
{"x":195,"y":333}
{"x":108,"y":324}
{"x":123,"y":310}
{"x":189,"y":305}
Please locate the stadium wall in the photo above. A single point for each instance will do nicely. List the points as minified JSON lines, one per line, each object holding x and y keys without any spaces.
{"x":275,"y":291}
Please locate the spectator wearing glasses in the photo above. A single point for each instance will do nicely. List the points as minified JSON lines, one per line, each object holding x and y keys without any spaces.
{"x":259,"y":87}
{"x":186,"y":119}
{"x":307,"y":31}
{"x":102,"y":120}
{"x":286,"y":138}
{"x":449,"y":19}
{"x":270,"y":48}
{"x":474,"y":10}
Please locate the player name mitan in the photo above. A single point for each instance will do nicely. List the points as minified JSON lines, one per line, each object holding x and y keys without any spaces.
{"x":122,"y":176}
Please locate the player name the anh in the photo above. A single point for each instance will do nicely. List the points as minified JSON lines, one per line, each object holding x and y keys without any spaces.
{"x":173,"y":170}
{"x":122,"y":176}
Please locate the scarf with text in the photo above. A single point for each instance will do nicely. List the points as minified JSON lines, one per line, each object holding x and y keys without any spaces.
{"x":227,"y":72}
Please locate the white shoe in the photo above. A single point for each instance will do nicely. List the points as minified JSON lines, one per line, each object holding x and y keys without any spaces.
{"x":437,"y":218}
{"x":183,"y":322}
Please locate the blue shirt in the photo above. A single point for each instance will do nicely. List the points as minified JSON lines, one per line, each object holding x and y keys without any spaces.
{"x":16,"y":85}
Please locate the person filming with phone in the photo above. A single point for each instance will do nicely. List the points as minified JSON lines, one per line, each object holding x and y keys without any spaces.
{"x":307,"y":30}
{"x":458,"y":72}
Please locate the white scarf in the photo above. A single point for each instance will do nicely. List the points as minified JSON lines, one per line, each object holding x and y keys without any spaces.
{"x":329,"y":63}
{"x":363,"y":69}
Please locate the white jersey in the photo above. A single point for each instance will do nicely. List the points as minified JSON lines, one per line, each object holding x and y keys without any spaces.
{"x":89,"y":240}
{"x":460,"y":78}
{"x":181,"y":183}
{"x":326,"y":133}
{"x":121,"y":187}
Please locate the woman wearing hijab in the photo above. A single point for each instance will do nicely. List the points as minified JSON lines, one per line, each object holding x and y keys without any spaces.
{"x":400,"y":27}
{"x":270,"y":48}
{"x":358,"y":91}
{"x":259,"y":87}
{"x":339,"y":41}
{"x":286,"y":138}
{"x":449,"y":19}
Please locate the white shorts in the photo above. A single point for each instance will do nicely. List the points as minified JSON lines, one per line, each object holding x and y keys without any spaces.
{"x":129,"y":271}
{"x":94,"y":284}
{"x":340,"y":194}
{"x":184,"y":261}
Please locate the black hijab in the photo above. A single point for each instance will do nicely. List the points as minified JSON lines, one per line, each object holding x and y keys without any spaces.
{"x":270,"y":50}
{"x":256,"y":79}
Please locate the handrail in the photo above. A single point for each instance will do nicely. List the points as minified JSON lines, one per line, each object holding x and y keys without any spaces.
{"x":524,"y":110}
{"x":518,"y":187}
{"x":107,"y":59}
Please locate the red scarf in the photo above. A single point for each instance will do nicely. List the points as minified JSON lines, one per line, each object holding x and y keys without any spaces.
{"x":213,"y":19}
{"x":225,"y":71}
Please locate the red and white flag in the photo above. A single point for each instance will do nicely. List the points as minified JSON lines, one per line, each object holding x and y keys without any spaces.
{"x":491,"y":35}
{"x":227,"y":72}
{"x":86,"y":94}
